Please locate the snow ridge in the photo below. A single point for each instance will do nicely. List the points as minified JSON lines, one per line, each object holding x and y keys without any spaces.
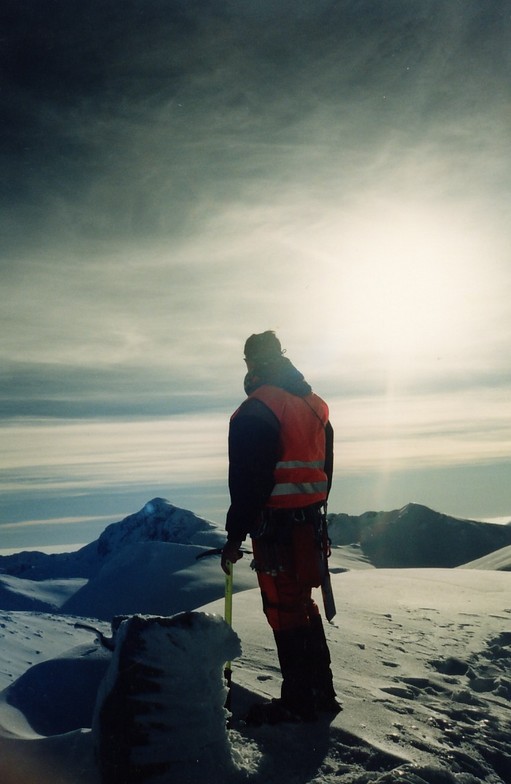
{"x":157,"y":521}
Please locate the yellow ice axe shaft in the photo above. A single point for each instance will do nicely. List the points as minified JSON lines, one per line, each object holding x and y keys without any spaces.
{"x":228,"y":619}
{"x":228,"y":594}
{"x":227,"y":613}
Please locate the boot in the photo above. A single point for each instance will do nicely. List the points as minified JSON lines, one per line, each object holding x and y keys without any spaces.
{"x":319,"y":666}
{"x":296,"y":691}
{"x":296,"y":703}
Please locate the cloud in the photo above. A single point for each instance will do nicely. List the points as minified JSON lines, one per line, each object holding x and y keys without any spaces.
{"x":440,"y":429}
{"x":47,"y":523}
{"x":372,"y":434}
{"x":176,"y":109}
{"x":76,"y":456}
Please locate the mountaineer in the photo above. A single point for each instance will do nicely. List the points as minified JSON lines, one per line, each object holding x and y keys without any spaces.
{"x":280,"y":473}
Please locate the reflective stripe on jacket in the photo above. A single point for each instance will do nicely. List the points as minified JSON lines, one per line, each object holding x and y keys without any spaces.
{"x":300,"y":478}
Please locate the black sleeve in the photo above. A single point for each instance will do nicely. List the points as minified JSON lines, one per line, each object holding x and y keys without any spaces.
{"x":253,"y":452}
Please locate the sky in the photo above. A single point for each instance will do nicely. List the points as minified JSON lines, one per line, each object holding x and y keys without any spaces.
{"x":179,"y":175}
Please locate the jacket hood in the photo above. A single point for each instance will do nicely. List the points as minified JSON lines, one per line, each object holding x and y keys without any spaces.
{"x":279,"y":373}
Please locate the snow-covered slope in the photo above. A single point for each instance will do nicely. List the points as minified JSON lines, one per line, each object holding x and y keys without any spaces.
{"x":499,"y":560}
{"x":420,"y":660}
{"x":159,"y":578}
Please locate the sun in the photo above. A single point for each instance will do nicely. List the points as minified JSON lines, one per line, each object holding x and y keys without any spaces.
{"x":403,"y":284}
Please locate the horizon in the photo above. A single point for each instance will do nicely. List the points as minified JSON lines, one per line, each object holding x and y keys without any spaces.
{"x":73,"y":547}
{"x":179,"y":177}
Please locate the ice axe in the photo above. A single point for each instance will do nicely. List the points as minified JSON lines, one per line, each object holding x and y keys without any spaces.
{"x":228,"y":620}
{"x":227,"y":613}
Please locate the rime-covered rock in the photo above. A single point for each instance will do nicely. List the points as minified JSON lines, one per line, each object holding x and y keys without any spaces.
{"x":160,"y":712}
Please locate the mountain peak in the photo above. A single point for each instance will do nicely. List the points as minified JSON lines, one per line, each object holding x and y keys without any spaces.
{"x":156,"y":505}
{"x":158,"y":520}
{"x":417,"y":536}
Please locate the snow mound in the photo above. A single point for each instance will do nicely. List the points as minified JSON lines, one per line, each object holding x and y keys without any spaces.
{"x":46,"y":596}
{"x":499,"y":561}
{"x":59,"y":695}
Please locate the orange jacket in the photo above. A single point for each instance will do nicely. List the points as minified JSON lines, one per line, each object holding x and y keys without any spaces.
{"x":300,"y":478}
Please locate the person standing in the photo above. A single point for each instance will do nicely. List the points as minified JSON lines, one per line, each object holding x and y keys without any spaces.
{"x":280,"y":474}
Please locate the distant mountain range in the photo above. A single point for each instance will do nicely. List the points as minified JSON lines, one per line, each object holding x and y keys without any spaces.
{"x":416,"y":536}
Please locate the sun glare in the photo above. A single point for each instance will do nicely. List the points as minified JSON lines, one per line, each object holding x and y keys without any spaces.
{"x":403,"y":285}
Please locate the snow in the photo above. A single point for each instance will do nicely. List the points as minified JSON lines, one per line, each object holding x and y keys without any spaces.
{"x":421,"y":661}
{"x":46,"y":595}
{"x":156,"y":578}
{"x":499,"y":559}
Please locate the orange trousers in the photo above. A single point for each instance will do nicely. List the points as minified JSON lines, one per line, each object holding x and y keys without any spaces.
{"x":286,"y":574}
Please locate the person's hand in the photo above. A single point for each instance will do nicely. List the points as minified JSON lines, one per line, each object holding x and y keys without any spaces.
{"x":232,"y":553}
